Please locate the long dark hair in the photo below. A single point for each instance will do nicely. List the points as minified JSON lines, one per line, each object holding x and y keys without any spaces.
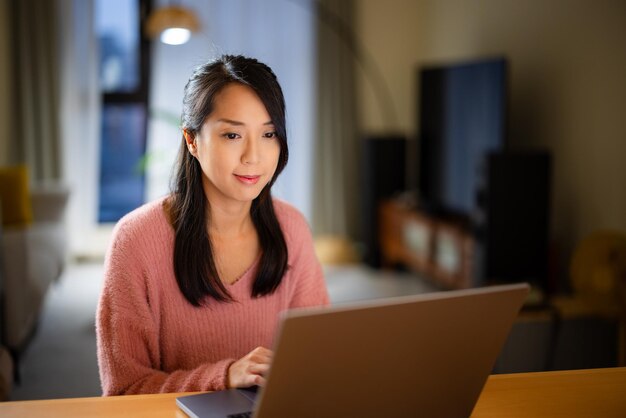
{"x":194,"y":263}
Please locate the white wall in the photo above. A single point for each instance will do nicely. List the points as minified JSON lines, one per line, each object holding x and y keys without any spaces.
{"x":567,"y":86}
{"x":80,"y":127}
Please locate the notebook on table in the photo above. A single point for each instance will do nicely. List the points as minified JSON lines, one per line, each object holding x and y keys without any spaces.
{"x":423,"y":355}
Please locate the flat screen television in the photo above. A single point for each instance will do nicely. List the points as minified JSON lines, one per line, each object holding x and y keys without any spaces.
{"x":462,"y":109}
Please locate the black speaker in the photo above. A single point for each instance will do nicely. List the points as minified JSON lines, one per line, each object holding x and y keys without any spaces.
{"x":514,"y":227}
{"x":383,"y":177}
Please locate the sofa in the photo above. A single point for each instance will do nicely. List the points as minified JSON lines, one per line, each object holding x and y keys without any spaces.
{"x":32,"y":252}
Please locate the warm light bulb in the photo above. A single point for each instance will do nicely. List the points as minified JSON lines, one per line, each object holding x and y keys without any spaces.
{"x":175,"y":36}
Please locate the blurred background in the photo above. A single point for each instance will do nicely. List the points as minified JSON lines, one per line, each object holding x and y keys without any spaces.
{"x":434,"y":144}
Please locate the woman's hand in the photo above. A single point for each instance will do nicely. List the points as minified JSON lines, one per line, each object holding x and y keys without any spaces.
{"x":251,"y":369}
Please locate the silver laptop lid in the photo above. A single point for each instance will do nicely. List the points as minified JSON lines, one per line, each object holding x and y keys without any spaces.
{"x":424,"y":355}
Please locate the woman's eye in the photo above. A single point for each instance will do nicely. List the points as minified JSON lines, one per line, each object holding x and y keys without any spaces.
{"x":270,"y":135}
{"x":231,"y":135}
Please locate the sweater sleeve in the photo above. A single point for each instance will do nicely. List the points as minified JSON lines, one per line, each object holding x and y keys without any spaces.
{"x":128,"y":332}
{"x":306,"y":270}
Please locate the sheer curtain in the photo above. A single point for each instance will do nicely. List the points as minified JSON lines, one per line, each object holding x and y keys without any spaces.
{"x":337,"y":150}
{"x":33,"y":65}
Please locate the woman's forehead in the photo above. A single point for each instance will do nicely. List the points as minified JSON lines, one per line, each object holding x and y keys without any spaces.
{"x":238,"y":104}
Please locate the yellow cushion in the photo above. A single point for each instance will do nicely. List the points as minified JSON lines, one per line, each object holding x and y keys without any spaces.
{"x":15,"y":197}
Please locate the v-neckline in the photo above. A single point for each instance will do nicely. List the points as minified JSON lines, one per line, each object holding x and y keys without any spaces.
{"x":246,"y":273}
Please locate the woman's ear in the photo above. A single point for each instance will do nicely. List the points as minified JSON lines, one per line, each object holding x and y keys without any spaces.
{"x":190,"y":139}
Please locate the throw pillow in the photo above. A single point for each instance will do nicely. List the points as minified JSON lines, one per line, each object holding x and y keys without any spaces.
{"x":15,"y":196}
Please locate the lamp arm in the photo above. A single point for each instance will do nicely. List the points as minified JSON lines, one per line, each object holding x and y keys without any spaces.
{"x":362,"y":56}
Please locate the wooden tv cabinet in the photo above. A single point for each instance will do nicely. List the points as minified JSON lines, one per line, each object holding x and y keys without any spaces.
{"x":441,"y":251}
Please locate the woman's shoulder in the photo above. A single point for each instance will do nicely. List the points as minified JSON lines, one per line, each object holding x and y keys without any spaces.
{"x":286,"y":210}
{"x":290,"y":218}
{"x":145,"y":221}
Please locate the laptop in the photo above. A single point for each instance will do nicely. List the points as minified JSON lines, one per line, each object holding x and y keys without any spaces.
{"x":423,"y":355}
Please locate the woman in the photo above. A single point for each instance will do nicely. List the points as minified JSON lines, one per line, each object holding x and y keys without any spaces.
{"x":194,"y":282}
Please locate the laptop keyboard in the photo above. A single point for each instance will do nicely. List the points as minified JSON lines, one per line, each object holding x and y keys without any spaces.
{"x":241,"y":415}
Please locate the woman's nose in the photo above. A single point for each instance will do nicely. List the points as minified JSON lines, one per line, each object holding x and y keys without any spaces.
{"x":251,"y":152}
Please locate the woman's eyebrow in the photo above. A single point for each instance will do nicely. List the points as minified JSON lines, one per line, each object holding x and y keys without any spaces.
{"x":231,"y":122}
{"x":239,"y":123}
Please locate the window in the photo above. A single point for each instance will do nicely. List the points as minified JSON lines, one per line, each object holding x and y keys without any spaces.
{"x":123,"y":78}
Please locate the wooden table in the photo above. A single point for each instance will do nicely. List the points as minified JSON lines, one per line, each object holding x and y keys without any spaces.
{"x":574,"y":393}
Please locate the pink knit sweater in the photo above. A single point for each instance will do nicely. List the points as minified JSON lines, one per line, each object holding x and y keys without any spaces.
{"x":150,"y":339}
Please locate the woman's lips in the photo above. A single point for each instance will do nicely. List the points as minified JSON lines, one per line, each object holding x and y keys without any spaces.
{"x":247,"y":179}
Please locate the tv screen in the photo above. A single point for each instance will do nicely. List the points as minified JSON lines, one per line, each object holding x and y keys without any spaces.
{"x":462,"y":119}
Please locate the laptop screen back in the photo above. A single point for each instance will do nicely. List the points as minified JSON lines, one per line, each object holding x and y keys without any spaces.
{"x":426,"y":354}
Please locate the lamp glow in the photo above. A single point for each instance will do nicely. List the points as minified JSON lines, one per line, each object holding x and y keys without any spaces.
{"x":172,"y":24}
{"x":175,"y":36}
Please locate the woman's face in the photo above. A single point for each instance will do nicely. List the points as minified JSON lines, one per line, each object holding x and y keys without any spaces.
{"x":237,"y":147}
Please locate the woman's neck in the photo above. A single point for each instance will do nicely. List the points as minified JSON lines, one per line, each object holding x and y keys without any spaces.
{"x":229,"y":220}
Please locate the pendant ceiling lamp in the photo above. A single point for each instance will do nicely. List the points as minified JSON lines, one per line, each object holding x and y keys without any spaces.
{"x":173,"y":25}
